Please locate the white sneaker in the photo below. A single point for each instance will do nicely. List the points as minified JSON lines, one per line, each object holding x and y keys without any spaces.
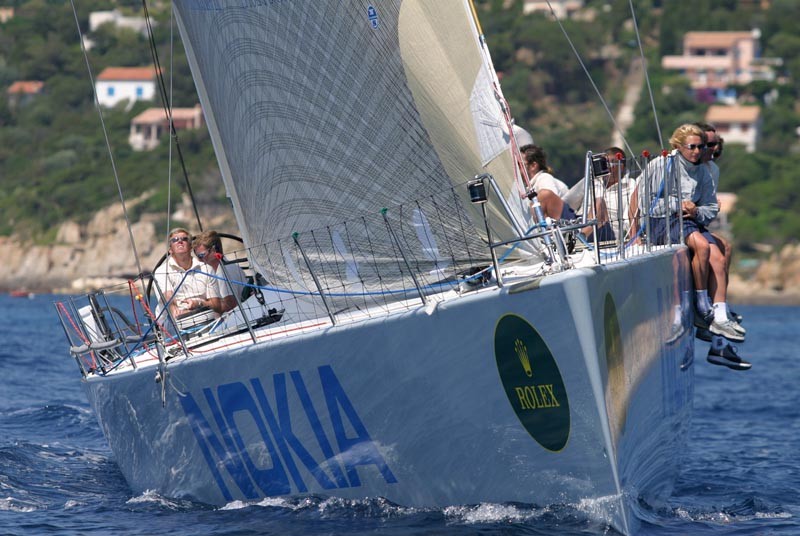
{"x":727,"y":329}
{"x":738,"y":327}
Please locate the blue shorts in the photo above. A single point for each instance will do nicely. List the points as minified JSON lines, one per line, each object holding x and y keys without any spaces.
{"x":604,"y":233}
{"x":567,"y":213}
{"x":658,"y":230}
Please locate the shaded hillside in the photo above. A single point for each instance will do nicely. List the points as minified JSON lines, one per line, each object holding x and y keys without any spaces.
{"x":54,"y":164}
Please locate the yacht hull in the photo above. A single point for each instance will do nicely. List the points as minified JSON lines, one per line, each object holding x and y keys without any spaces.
{"x":576,"y":386}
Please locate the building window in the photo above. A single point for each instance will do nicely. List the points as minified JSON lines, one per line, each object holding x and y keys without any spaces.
{"x":139,"y":92}
{"x":110,"y":91}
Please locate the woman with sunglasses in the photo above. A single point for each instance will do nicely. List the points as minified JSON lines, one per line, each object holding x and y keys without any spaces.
{"x":683,"y":173}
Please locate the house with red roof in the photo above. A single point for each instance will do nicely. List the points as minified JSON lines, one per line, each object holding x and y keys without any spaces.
{"x":148,"y":126}
{"x":117,"y":84}
{"x":23,"y":91}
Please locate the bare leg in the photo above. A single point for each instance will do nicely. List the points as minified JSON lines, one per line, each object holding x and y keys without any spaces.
{"x":718,"y":276}
{"x":725,"y":246}
{"x":700,"y":257}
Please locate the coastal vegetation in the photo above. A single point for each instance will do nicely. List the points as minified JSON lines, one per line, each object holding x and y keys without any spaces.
{"x":54,"y":162}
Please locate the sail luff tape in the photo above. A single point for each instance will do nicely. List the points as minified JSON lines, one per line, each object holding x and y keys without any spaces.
{"x":475,"y":17}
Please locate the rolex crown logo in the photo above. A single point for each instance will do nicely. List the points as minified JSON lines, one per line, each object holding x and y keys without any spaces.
{"x":522,"y":354}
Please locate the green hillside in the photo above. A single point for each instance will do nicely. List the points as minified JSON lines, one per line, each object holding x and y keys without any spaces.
{"x":54,"y":161}
{"x":54,"y":164}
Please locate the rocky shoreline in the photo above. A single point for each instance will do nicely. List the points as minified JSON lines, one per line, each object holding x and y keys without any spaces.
{"x":776,"y":280}
{"x":97,"y":255}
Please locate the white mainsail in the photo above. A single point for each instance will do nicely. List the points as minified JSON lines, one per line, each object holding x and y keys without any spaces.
{"x":327,"y":111}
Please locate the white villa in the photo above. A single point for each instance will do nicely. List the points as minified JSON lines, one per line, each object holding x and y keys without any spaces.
{"x":115,"y":17}
{"x":117,"y":84}
{"x":561,"y":8}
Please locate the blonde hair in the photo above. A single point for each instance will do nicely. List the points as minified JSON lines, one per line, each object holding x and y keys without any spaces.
{"x":683,"y":132}
{"x":177,"y":230}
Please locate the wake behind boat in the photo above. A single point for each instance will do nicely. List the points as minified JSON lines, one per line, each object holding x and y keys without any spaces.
{"x":408,"y":329}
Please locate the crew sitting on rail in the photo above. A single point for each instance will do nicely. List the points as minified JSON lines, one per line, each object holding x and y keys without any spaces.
{"x":698,"y":205}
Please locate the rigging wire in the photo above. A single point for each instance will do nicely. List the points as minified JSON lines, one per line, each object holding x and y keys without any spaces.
{"x":168,"y":110}
{"x":591,"y":80}
{"x":646,"y":76}
{"x":108,"y":142}
{"x":169,"y":165}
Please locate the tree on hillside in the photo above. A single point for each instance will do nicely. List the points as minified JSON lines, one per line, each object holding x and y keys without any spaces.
{"x":766,"y":210}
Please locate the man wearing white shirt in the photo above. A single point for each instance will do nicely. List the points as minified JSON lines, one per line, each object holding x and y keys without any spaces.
{"x":618,"y":180}
{"x":184,"y":281}
{"x":229,"y":276}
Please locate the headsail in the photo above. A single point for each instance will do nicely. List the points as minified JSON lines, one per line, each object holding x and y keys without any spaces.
{"x":324,"y":111}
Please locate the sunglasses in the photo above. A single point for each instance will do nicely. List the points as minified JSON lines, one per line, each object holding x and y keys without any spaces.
{"x":712,"y":144}
{"x":176,"y":239}
{"x":202,"y":255}
{"x":693,"y":146}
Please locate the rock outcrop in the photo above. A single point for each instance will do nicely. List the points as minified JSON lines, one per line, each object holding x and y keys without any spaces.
{"x":92,"y":255}
{"x":776,"y":280}
{"x":98,"y":254}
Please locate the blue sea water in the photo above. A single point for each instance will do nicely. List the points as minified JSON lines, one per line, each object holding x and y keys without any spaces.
{"x":58,"y":476}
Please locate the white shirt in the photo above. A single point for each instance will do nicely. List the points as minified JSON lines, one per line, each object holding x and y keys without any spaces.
{"x":190,"y":284}
{"x":544,"y":181}
{"x":610,"y":195}
{"x":227,"y":286}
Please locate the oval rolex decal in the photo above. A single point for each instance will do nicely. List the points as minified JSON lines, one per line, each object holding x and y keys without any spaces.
{"x":532,"y":382}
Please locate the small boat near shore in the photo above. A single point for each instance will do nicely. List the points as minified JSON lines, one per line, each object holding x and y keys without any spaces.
{"x":409,"y":329}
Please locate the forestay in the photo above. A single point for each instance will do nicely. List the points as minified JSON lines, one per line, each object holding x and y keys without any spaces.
{"x":325,"y":112}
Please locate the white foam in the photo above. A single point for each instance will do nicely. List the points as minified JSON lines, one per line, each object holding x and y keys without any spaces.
{"x":150,"y":496}
{"x":490,"y":513}
{"x":724,"y":518}
{"x":10,"y":504}
{"x":268,"y":501}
